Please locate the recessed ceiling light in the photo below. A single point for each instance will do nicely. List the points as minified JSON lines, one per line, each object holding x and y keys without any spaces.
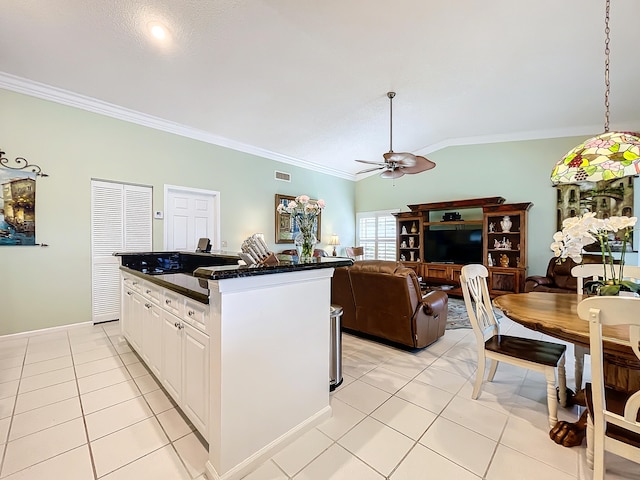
{"x":158,"y":31}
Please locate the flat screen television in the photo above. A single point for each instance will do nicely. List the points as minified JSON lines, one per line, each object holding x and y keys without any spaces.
{"x":453,"y":246}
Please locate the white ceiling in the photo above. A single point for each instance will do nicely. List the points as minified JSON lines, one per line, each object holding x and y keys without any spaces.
{"x":305,"y":81}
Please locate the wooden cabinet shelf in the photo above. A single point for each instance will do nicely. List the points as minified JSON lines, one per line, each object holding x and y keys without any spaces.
{"x":442,"y":247}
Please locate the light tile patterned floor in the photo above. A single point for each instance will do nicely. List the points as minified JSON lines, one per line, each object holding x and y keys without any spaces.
{"x":79,"y":405}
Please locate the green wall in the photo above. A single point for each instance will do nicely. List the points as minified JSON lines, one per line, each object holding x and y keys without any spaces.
{"x":517,"y":171}
{"x":47,"y":287}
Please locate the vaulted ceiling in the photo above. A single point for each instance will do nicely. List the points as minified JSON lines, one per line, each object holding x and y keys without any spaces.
{"x":305,"y":81}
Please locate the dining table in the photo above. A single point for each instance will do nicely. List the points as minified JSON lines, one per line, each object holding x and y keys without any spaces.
{"x":556,"y":315}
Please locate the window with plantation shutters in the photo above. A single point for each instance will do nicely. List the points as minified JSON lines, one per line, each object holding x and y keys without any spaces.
{"x":121,"y":217}
{"x":376,"y":232}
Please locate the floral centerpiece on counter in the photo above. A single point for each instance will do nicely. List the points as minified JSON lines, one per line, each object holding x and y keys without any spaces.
{"x":577,"y":232}
{"x":305,"y":213}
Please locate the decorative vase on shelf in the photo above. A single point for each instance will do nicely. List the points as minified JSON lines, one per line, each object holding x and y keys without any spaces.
{"x":412,"y":255}
{"x":411,"y":242}
{"x":505,"y":224}
{"x":414,"y":229}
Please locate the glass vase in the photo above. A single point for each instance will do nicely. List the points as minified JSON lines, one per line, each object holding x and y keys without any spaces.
{"x":305,"y":244}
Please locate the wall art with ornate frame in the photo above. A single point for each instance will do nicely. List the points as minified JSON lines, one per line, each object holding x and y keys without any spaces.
{"x":285,"y":226}
{"x":18,"y":201}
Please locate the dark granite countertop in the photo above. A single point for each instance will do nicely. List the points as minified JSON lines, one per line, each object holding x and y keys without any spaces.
{"x":287,"y":264}
{"x":174,"y":273}
{"x":183,"y":283}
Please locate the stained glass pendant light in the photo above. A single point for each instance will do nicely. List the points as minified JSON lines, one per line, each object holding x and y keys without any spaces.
{"x":606,"y":156}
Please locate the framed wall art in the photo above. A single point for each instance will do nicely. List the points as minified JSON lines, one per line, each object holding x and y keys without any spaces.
{"x":285,"y":226}
{"x":18,"y":201}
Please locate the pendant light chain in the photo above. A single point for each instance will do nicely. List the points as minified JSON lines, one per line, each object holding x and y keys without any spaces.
{"x":391,"y":95}
{"x":607,"y":85}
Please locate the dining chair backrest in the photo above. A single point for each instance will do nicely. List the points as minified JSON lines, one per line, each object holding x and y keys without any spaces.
{"x":473,"y":280}
{"x":355,"y":252}
{"x":594,"y":271}
{"x":610,"y":311}
{"x":541,"y":356}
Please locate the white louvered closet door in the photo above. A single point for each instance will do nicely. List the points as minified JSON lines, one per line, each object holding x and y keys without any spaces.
{"x":120,"y":222}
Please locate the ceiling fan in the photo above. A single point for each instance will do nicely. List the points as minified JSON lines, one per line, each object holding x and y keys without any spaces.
{"x":397,"y":164}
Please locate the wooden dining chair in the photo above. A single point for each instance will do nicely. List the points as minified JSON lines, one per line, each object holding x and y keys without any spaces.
{"x":613,"y":423}
{"x":537,"y":355}
{"x":593,"y":271}
{"x":355,"y":252}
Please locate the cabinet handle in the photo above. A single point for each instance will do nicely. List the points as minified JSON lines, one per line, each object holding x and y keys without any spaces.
{"x":177,"y":324}
{"x":129,"y":293}
{"x":180,"y":327}
{"x":135,"y":283}
{"x":167,"y":301}
{"x":148,"y":291}
{"x":148,"y":305}
{"x":191,"y":313}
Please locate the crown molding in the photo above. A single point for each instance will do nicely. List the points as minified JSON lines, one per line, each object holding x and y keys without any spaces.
{"x":65,"y":97}
{"x":581,"y":131}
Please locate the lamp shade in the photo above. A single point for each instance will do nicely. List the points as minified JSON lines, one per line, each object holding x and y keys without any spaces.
{"x":607,"y":156}
{"x":334,"y":240}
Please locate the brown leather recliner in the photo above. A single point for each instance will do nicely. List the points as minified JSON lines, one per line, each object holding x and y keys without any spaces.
{"x":557,"y":280}
{"x":383,"y":299}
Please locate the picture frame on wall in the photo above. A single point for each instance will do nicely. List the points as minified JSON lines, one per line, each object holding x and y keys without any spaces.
{"x":285,"y":226}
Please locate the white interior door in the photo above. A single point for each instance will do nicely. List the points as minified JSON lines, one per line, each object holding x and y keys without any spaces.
{"x":191,"y":214}
{"x":120,"y":222}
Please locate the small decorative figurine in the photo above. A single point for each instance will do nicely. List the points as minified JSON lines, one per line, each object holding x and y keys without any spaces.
{"x":505,"y":224}
{"x":504,"y":260}
{"x":404,"y":230}
{"x":492,"y":227}
{"x":403,"y":244}
{"x":490,"y":261}
{"x":402,"y":258}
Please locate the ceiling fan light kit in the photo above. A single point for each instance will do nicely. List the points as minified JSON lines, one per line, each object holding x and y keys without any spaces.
{"x":397,"y":164}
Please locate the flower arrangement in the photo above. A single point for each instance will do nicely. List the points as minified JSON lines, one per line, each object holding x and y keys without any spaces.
{"x":305,"y":213}
{"x":577,"y":232}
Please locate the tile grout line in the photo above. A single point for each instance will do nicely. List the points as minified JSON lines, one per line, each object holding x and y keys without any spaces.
{"x":84,"y":420}
{"x":13,"y":411}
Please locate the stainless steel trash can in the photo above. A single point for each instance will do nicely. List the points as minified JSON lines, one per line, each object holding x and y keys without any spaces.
{"x":335,"y":348}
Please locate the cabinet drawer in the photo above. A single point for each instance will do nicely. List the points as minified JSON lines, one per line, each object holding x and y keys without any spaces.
{"x":196,"y":314}
{"x":173,"y":302}
{"x":151,"y":292}
{"x":132,"y":282}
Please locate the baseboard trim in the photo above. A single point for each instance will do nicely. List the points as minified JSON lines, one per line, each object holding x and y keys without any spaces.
{"x":44,"y":331}
{"x":255,"y":460}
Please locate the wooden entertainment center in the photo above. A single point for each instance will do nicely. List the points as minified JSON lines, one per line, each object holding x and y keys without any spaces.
{"x":438,"y":239}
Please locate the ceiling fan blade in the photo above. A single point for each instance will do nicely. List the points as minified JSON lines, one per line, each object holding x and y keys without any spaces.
{"x":370,"y":169}
{"x":400,"y":158}
{"x":395,"y":173}
{"x":371,"y":162}
{"x":422,"y":164}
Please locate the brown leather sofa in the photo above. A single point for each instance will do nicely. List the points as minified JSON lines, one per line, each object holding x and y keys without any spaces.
{"x":557,"y":280}
{"x":383,"y":299}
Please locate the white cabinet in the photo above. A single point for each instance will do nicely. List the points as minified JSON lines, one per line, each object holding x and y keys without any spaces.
{"x":171,"y":375}
{"x":185,"y":369}
{"x":169,"y":332}
{"x":195,"y":385}
{"x":152,"y":336}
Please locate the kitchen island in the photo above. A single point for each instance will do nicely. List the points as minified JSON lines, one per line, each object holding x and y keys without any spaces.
{"x":244,"y":351}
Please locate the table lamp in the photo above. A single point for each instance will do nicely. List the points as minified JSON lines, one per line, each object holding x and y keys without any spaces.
{"x":334,"y":241}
